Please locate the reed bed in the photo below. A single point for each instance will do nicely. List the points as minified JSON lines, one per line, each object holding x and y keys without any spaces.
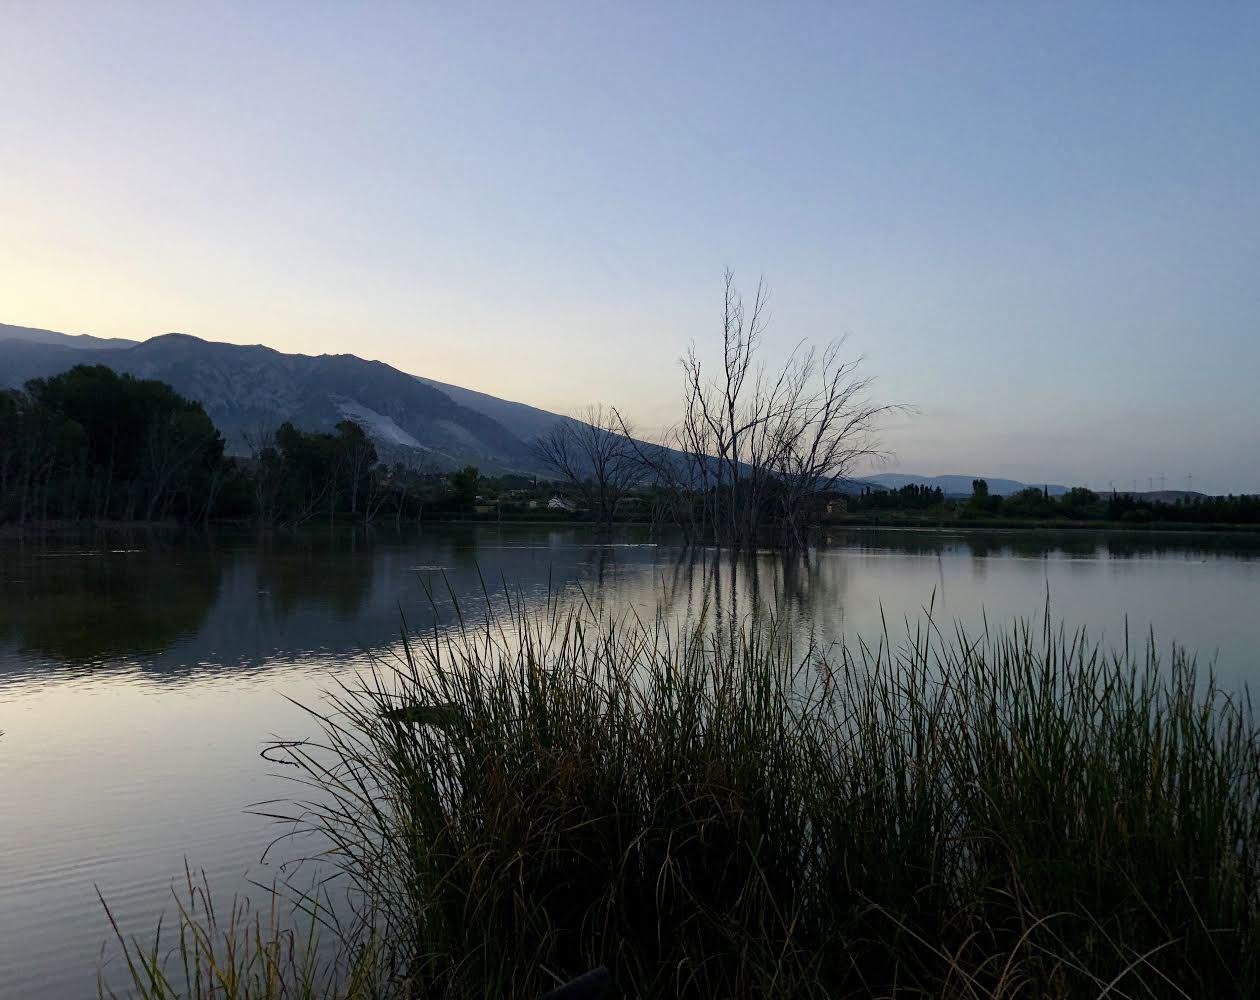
{"x":710,"y":812}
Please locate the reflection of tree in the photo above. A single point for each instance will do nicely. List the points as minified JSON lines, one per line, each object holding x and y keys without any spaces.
{"x":339,"y":592}
{"x":94,"y":605}
{"x":1137,"y":545}
{"x":315,"y":566}
{"x":793,"y":588}
{"x":600,"y":559}
{"x":920,"y":543}
{"x":805,"y":590}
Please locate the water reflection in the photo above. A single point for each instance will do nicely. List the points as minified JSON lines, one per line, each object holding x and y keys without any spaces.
{"x":333,"y":571}
{"x":139,"y":677}
{"x":804,"y":591}
{"x":83,"y":607}
{"x":222,"y":602}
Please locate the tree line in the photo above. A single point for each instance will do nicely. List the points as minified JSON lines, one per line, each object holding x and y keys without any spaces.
{"x":93,"y":444}
{"x":1077,"y":504}
{"x":759,"y":456}
{"x":90,"y":443}
{"x":909,"y":497}
{"x":752,"y":457}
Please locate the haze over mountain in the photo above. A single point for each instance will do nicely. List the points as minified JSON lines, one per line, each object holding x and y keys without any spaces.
{"x":250,"y":390}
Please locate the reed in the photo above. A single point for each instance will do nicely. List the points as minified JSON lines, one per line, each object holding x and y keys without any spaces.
{"x":239,"y":954}
{"x":711,"y":812}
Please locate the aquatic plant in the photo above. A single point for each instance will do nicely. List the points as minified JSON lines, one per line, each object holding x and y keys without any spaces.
{"x":710,"y":812}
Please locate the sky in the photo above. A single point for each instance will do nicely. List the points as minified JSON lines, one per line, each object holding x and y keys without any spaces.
{"x":1038,"y":222}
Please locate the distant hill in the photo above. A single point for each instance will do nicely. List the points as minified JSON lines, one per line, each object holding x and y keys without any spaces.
{"x":78,"y":342}
{"x":252,"y":389}
{"x":959,"y":485}
{"x":21,"y":360}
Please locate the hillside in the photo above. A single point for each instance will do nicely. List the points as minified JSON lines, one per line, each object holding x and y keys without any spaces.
{"x":248,"y":390}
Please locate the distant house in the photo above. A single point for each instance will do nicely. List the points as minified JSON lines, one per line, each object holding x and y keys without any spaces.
{"x":560,"y":503}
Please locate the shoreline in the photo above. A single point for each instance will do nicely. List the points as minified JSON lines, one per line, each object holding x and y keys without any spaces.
{"x":1111,"y":527}
{"x":45,"y":529}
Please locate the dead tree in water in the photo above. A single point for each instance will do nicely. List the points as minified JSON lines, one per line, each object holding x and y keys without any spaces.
{"x":592,"y":454}
{"x":757,"y":449}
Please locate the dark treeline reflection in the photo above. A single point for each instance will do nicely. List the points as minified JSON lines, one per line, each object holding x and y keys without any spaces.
{"x":1049,"y":544}
{"x":177,"y":604}
{"x":125,"y":599}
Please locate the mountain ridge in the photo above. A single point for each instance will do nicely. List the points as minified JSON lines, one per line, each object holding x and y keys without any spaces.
{"x":250,"y":389}
{"x":78,"y":341}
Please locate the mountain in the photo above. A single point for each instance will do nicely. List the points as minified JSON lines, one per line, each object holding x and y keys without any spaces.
{"x":528,"y":422}
{"x":248,"y":390}
{"x":78,"y":342}
{"x":26,"y":359}
{"x":959,"y":485}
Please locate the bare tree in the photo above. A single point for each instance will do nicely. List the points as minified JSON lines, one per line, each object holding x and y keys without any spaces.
{"x":757,"y":449}
{"x":381,"y":487}
{"x":676,"y":482}
{"x":266,"y":467}
{"x":593,"y":455}
{"x":827,"y":427}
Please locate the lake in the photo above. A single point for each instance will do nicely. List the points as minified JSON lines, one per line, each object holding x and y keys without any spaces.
{"x":140,"y":676}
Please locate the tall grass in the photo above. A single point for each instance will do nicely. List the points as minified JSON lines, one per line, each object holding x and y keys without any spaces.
{"x":240,"y":954}
{"x":711,"y":813}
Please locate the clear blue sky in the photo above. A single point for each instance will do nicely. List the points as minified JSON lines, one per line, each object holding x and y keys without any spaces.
{"x":1040,"y":222}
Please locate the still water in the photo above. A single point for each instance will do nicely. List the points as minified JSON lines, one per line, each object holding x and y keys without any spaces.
{"x":140,"y":677}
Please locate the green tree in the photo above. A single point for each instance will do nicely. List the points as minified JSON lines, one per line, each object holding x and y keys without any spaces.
{"x":1029,"y":502}
{"x":308,"y":463}
{"x":983,"y":501}
{"x":101,"y":444}
{"x":1080,"y":502}
{"x":464,"y":487}
{"x":355,"y":457}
